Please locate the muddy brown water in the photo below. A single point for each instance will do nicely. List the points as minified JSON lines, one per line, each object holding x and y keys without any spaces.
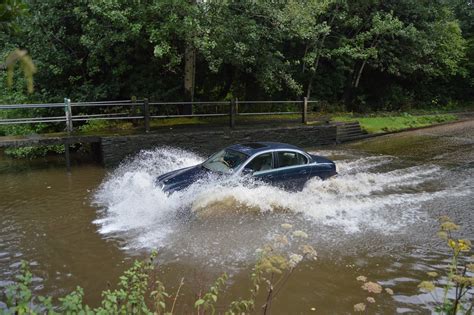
{"x":377,"y":218}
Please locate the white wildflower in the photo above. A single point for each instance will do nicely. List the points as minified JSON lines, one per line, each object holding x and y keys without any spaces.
{"x":360,"y":307}
{"x":295,"y":259}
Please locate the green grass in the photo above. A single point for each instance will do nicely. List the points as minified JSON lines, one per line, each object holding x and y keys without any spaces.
{"x":380,"y":124}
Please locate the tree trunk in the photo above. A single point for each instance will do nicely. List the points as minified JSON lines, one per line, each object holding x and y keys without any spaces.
{"x":359,"y":74}
{"x":189,"y":79}
{"x":304,"y":56}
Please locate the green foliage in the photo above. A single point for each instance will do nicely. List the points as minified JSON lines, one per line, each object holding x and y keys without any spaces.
{"x":27,"y":129}
{"x":104,"y":125}
{"x":129,"y":298}
{"x":370,"y":55}
{"x":19,"y":296}
{"x":34,"y":152}
{"x":11,"y":12}
{"x":207,"y":302}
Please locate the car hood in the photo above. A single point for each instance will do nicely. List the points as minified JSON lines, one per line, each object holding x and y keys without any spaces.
{"x":187,"y":173}
{"x":182,"y":178}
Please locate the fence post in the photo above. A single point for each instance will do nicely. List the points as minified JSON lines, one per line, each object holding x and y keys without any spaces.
{"x":68,"y":113}
{"x":146,"y":114}
{"x":304,"y":112}
{"x":236,"y":106}
{"x":232,"y":114}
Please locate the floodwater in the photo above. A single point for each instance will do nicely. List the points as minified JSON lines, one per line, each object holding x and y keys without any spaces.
{"x":377,"y":218}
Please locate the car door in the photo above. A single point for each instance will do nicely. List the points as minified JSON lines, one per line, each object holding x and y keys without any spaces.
{"x":291,"y":171}
{"x":261,"y":167}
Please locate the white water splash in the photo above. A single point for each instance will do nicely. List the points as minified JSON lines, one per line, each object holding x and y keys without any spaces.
{"x":359,"y":198}
{"x":129,"y":198}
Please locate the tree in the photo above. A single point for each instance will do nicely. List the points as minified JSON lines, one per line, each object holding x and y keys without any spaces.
{"x":368,"y":52}
{"x":367,"y":43}
{"x":310,"y":23}
{"x":463,"y":86}
{"x":242,"y":42}
{"x":404,"y":39}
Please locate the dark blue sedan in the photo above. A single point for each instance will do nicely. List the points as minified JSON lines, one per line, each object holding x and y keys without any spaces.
{"x":278,"y":164}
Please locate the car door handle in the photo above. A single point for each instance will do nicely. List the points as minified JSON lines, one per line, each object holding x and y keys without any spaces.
{"x":303,"y":172}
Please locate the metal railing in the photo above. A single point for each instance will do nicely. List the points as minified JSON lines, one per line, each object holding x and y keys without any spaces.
{"x":70,"y":112}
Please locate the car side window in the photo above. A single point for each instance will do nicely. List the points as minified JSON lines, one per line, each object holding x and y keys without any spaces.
{"x":290,"y":159}
{"x":261,"y":162}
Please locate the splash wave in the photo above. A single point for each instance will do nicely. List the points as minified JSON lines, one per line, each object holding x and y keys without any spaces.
{"x":361,"y":197}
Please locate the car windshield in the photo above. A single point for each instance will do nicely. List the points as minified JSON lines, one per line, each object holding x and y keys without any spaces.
{"x":225,"y":161}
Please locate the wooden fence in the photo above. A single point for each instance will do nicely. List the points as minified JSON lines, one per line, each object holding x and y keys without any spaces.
{"x":70,"y":112}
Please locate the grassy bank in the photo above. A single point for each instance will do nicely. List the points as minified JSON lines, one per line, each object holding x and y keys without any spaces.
{"x":388,"y":123}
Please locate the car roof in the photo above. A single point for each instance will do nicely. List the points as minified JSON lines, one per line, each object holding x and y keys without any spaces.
{"x":251,"y":148}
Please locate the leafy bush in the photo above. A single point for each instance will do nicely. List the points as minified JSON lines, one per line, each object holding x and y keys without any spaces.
{"x":34,"y":152}
{"x":103,"y":125}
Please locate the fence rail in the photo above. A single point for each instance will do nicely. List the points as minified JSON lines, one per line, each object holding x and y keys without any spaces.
{"x":145,"y":110}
